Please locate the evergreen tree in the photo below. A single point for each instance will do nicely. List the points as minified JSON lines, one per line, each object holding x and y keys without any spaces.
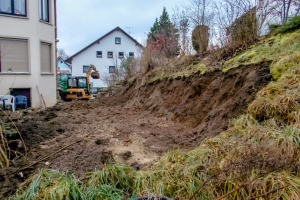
{"x":164,"y":30}
{"x":162,"y":26}
{"x":153,"y":30}
{"x":164,"y":22}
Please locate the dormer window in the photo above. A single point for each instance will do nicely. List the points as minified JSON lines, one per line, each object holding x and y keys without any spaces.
{"x":117,"y":40}
{"x":13,"y":7}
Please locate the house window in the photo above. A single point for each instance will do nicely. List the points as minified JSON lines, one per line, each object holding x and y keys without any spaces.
{"x":131,"y":55}
{"x":13,"y":7}
{"x":46,"y":57}
{"x":121,"y":54}
{"x":117,"y":40}
{"x":86,"y":68}
{"x":44,"y":10}
{"x":99,"y":54}
{"x":13,"y":55}
{"x":110,"y":54}
{"x":112,"y":69}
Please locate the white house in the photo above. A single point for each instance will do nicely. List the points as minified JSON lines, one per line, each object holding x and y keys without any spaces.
{"x":63,"y":66}
{"x":27,"y":50}
{"x":104,"y":53}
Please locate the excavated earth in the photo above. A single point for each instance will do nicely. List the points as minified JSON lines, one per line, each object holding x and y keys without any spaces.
{"x":136,"y":126}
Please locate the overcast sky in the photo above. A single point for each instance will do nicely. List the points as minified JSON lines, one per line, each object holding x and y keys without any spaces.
{"x":82,"y":22}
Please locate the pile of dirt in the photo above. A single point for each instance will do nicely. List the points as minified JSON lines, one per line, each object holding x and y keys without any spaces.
{"x":203,"y":102}
{"x":137,"y":125}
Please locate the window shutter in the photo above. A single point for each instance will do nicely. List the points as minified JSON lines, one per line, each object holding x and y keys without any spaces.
{"x":14,"y":55}
{"x":45,"y":57}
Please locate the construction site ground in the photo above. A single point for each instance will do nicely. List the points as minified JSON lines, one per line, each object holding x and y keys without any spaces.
{"x":135,"y":126}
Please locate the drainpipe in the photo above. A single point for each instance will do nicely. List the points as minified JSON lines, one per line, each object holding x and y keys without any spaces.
{"x":56,"y":41}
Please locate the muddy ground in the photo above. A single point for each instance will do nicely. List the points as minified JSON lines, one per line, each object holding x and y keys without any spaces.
{"x":136,"y":126}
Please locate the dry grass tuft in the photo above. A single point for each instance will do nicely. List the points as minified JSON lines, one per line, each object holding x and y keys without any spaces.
{"x":8,"y":129}
{"x":119,"y":176}
{"x":280,"y":99}
{"x":49,"y":185}
{"x":4,"y":161}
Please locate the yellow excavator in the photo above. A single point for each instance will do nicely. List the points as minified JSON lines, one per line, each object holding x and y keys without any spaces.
{"x":78,"y":87}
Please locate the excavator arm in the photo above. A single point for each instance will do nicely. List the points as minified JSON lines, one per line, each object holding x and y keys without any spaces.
{"x":93,"y":72}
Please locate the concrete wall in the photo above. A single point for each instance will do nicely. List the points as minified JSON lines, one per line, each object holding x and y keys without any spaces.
{"x":35,"y":31}
{"x":88,"y":56}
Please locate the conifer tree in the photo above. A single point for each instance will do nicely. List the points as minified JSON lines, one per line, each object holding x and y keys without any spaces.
{"x":153,"y":30}
{"x":164,"y":31}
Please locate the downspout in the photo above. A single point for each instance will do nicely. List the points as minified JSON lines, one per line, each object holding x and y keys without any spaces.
{"x":56,"y":41}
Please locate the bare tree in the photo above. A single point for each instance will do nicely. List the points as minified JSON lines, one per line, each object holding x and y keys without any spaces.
{"x":61,"y":52}
{"x":116,"y":73}
{"x":283,"y":8}
{"x":235,"y":17}
{"x":182,"y":23}
{"x":199,"y":12}
{"x":200,"y":15}
{"x":274,"y":11}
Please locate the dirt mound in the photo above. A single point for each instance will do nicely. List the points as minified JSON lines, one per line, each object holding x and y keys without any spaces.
{"x":203,"y":102}
{"x":139,"y":124}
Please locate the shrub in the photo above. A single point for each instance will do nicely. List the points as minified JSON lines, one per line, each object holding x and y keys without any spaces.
{"x":291,"y":25}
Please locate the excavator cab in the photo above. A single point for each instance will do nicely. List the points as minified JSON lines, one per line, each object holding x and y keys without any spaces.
{"x":77,"y":82}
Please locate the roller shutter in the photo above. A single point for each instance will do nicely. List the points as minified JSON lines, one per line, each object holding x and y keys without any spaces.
{"x":13,"y":55}
{"x":45,"y":57}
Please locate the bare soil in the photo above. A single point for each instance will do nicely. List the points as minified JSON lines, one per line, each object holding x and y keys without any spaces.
{"x":136,"y":126}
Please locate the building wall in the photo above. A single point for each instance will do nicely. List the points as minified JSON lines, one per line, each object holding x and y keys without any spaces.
{"x":35,"y":31}
{"x":88,"y":56}
{"x":62,"y":66}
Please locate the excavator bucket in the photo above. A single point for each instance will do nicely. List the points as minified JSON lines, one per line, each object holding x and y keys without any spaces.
{"x":95,"y":75}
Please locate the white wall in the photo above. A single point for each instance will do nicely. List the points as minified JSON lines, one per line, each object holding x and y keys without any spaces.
{"x":35,"y":31}
{"x":88,"y":56}
{"x":63,"y":66}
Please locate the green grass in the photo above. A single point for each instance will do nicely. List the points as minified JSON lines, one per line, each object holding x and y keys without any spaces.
{"x":282,"y":50}
{"x":119,"y":176}
{"x":50,"y":185}
{"x":186,"y":70}
{"x":104,"y":192}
